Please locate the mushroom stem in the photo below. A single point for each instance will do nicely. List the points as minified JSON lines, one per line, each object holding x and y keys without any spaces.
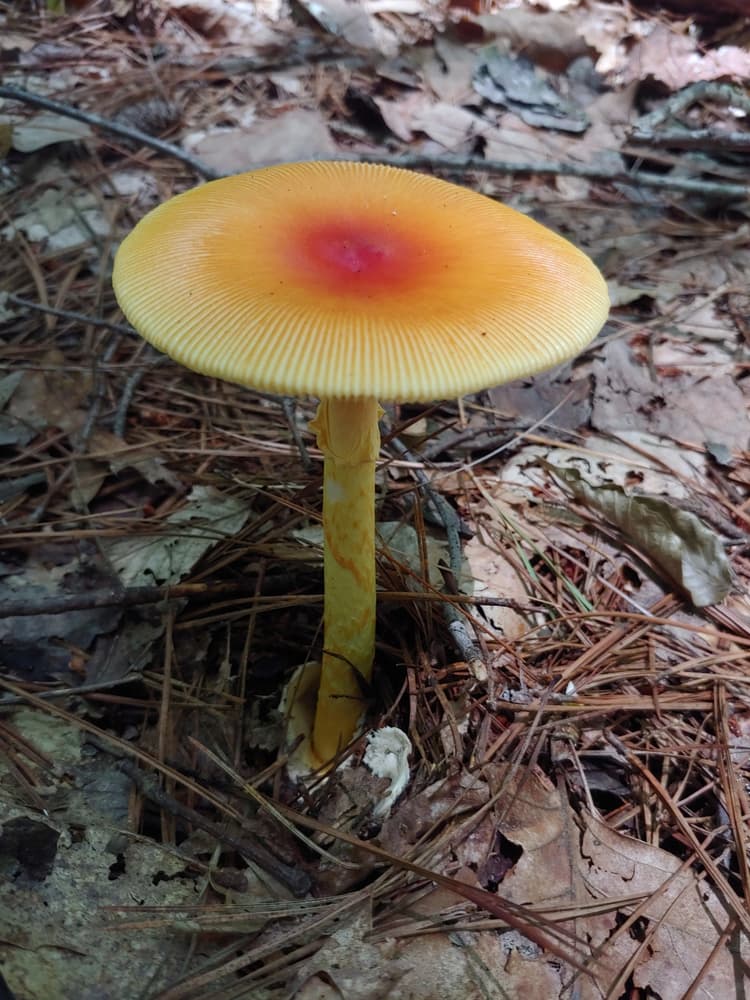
{"x":348,"y":436}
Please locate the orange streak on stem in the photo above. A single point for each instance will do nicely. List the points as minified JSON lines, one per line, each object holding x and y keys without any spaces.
{"x":348,"y":436}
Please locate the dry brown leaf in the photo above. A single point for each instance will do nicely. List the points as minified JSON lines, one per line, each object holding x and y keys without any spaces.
{"x":528,"y":813}
{"x":633,"y":457}
{"x":475,"y":966}
{"x":605,"y":28}
{"x":399,"y":115}
{"x":242,"y":24}
{"x":521,"y":844}
{"x":293,"y":135}
{"x":514,"y":141}
{"x":353,"y":21}
{"x":353,"y":967}
{"x":679,"y":543}
{"x":551,"y":39}
{"x":675,"y":59}
{"x":10,"y":40}
{"x":496,"y":576}
{"x":531,"y":400}
{"x":52,"y":396}
{"x":521,"y":841}
{"x":448,"y":69}
{"x":447,"y":124}
{"x":682,"y":918}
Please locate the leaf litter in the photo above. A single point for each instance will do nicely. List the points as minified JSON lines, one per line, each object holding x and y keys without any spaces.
{"x":578,"y":803}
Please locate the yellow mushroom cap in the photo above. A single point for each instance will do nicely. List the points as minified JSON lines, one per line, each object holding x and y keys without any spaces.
{"x":340,"y":279}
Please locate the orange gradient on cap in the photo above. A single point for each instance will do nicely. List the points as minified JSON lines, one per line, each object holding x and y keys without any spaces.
{"x":356,"y":257}
{"x":350,"y":280}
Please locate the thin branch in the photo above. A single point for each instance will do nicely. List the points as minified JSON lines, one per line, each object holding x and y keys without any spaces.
{"x":76,"y":317}
{"x":459,"y":164}
{"x":447,"y":164}
{"x":115,"y":128}
{"x":704,"y":90}
{"x":133,"y":381}
{"x":295,"y":879}
{"x":128,"y":597}
{"x":446,"y":515}
{"x":700,"y":138}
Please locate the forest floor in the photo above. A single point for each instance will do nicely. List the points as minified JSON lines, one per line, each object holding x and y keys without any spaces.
{"x":575,"y":819}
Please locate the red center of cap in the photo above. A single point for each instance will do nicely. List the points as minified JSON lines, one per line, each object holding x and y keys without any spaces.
{"x":356,"y":259}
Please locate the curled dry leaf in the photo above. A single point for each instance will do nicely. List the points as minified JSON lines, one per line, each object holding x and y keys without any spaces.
{"x":688,"y":552}
{"x":674,"y":59}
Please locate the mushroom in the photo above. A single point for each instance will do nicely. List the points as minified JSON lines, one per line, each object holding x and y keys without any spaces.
{"x":354,"y":283}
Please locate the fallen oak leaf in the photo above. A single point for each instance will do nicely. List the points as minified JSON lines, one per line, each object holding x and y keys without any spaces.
{"x":532,"y":924}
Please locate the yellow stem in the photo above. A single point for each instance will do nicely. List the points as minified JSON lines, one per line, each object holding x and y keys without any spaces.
{"x":348,"y":436}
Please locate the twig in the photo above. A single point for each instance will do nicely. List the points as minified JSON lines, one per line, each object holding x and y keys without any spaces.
{"x":647,"y":129}
{"x":12,"y":487}
{"x":701,"y":138}
{"x":129,"y":597}
{"x":126,"y":597}
{"x":100,"y":391}
{"x":441,"y":509}
{"x":76,"y":317}
{"x":289,"y":406}
{"x":703,"y":90}
{"x":717,"y":189}
{"x":464,"y":642}
{"x":128,"y":391}
{"x":448,"y":164}
{"x":297,"y":881}
{"x":80,"y":690}
{"x":116,"y":128}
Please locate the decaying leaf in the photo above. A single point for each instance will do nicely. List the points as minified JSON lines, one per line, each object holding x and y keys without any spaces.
{"x":51,"y":396}
{"x":679,"y":925}
{"x":61,"y":217}
{"x":515,"y":83}
{"x":682,"y":405}
{"x":677,"y":541}
{"x":208,"y":517}
{"x":37,"y":647}
{"x":78,"y":871}
{"x":45,"y":129}
{"x":495,"y":575}
{"x":675,"y":59}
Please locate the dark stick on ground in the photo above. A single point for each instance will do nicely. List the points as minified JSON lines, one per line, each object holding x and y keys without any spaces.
{"x":457,"y":622}
{"x":76,"y":317}
{"x":663,"y":182}
{"x":114,"y":128}
{"x":297,"y":881}
{"x":132,"y":596}
{"x":151,"y":360}
{"x":445,"y":164}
